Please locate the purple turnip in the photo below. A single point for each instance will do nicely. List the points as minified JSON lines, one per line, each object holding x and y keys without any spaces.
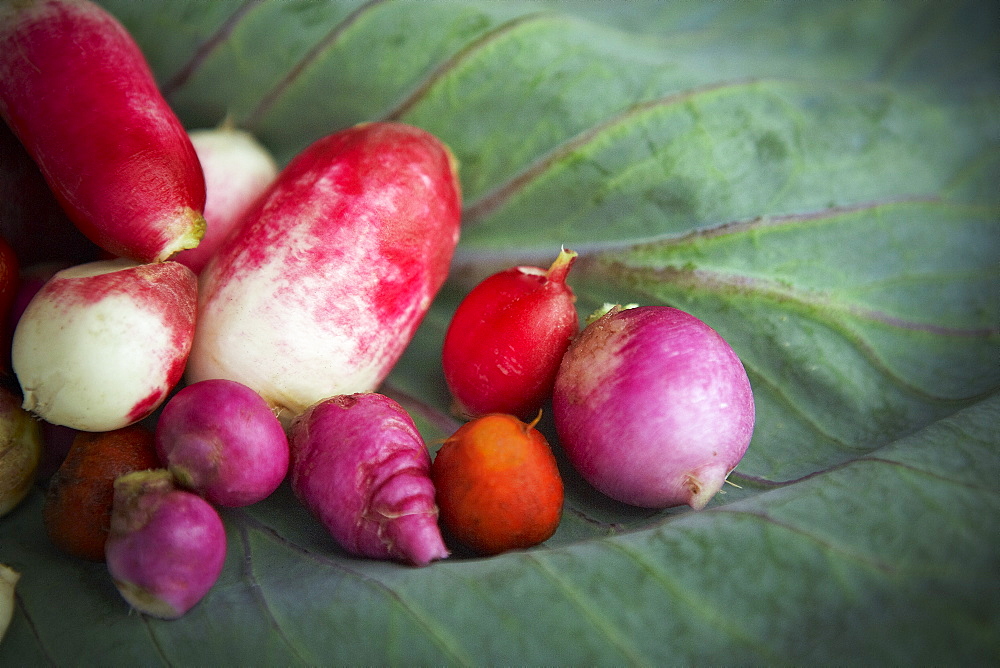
{"x":653,"y":407}
{"x":101,"y":344}
{"x":324,"y":281}
{"x":166,"y":547}
{"x":237,"y":170}
{"x":78,"y":93}
{"x":220,"y":439}
{"x":360,"y":465}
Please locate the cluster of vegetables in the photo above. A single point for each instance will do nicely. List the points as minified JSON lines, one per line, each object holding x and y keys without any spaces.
{"x":279,"y":319}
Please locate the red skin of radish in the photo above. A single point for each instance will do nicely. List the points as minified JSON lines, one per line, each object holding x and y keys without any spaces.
{"x":220,"y":439}
{"x":361,"y":467}
{"x":101,"y":344}
{"x":505,"y":341}
{"x":166,"y":547}
{"x":321,"y":286}
{"x":653,"y":407}
{"x":78,"y":93}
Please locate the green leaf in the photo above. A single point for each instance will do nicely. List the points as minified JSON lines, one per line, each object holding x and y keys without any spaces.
{"x":817,"y":181}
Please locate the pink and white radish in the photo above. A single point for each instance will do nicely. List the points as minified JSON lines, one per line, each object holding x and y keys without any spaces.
{"x":653,"y":407}
{"x":166,"y":547}
{"x":237,"y":170}
{"x":220,"y":439}
{"x":78,"y":93}
{"x":101,"y":344}
{"x":361,"y":467}
{"x":323,"y":283}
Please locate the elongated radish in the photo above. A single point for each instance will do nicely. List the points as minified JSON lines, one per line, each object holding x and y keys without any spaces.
{"x":360,"y":465}
{"x":324,"y":282}
{"x":101,"y":344}
{"x":238,"y":169}
{"x":653,"y":407}
{"x":78,"y":93}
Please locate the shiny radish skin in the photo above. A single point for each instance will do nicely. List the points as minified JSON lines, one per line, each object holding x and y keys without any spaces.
{"x":324,"y":282}
{"x":361,"y":467}
{"x":101,"y":344}
{"x":653,"y":407}
{"x":220,"y":439}
{"x":78,"y":93}
{"x":505,"y":341}
{"x":166,"y":546}
{"x":238,"y":169}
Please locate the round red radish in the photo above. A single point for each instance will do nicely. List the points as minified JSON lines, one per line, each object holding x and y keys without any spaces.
{"x":220,"y":439}
{"x":325,"y":280}
{"x":237,"y":170}
{"x":101,"y":344}
{"x":361,"y":467}
{"x":78,"y":93}
{"x":506,"y":339}
{"x":166,"y":547}
{"x":653,"y":407}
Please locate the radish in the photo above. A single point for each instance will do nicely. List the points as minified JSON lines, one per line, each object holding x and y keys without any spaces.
{"x":166,"y":546}
{"x":506,"y":339}
{"x":237,"y":170}
{"x":101,"y":344}
{"x":80,"y":96}
{"x":20,"y":451}
{"x":220,"y":439}
{"x":323,"y":283}
{"x":360,"y":465}
{"x":653,"y":407}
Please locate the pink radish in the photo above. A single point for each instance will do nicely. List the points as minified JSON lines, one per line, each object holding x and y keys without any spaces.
{"x":653,"y":407}
{"x":323,"y":283}
{"x":220,"y":439}
{"x":166,"y":547}
{"x":360,"y":465}
{"x":101,"y":344}
{"x":237,"y":170}
{"x":77,"y":92}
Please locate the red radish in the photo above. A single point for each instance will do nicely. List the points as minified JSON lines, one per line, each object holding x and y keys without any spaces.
{"x":653,"y":407}
{"x":166,"y":547}
{"x":503,"y":346}
{"x":237,"y":170}
{"x":361,"y":467}
{"x":220,"y":439}
{"x":80,"y":96}
{"x":101,"y":344}
{"x":323,"y":283}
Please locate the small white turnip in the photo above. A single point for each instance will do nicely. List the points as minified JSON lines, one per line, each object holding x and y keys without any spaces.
{"x":653,"y":407}
{"x":360,"y":465}
{"x":101,"y":344}
{"x":166,"y":547}
{"x":220,"y":439}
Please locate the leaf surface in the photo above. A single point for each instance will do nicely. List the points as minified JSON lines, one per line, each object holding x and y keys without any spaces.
{"x":817,"y":181}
